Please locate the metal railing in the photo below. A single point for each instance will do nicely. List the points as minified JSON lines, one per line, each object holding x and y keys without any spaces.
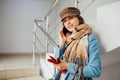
{"x":36,"y":21}
{"x":47,"y":35}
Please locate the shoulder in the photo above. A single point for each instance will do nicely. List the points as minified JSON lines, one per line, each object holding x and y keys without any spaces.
{"x":92,"y":38}
{"x":92,"y":41}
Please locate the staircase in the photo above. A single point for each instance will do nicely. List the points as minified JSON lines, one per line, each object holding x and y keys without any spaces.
{"x":14,"y":67}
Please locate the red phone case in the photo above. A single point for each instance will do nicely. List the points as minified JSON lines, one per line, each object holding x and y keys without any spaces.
{"x":56,"y":61}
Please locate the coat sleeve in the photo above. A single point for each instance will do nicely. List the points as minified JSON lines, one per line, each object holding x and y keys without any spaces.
{"x":59,"y":53}
{"x":93,"y":69}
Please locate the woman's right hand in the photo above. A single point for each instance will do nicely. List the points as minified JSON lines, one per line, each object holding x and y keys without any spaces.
{"x":62,"y":37}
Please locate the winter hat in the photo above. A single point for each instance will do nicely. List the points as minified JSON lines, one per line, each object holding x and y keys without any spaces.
{"x":69,"y":11}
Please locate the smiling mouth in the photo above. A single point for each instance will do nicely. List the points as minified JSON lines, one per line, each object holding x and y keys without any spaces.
{"x":70,"y":26}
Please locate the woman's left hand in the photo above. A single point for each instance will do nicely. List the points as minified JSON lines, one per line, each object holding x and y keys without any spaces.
{"x":62,"y":65}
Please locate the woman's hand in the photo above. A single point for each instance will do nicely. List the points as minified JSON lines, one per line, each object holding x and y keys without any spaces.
{"x":59,"y":64}
{"x":62,"y":65}
{"x":62,"y":37}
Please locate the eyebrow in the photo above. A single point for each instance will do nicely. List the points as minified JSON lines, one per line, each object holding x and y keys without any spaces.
{"x":68,"y":17}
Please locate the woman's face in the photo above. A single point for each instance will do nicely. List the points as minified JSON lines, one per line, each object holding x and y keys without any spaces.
{"x":71,"y":22}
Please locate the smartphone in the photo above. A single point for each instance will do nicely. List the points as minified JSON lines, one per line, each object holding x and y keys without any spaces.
{"x":65,"y":31}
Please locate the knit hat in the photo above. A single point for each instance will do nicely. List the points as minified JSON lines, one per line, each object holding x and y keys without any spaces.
{"x":69,"y":11}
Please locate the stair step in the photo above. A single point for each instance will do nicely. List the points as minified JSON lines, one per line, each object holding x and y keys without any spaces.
{"x":17,"y":66}
{"x":19,"y":72}
{"x":28,"y":78}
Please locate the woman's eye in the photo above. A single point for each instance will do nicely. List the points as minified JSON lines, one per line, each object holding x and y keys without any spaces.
{"x":64,"y":21}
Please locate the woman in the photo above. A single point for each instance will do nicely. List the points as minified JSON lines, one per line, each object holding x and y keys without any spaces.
{"x":78,"y":48}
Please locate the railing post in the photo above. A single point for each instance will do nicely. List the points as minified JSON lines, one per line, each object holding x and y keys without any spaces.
{"x":47,"y":27}
{"x":76,"y":3}
{"x":54,"y":67}
{"x":34,"y":46}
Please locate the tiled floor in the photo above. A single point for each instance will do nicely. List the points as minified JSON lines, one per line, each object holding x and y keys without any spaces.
{"x":19,"y":66}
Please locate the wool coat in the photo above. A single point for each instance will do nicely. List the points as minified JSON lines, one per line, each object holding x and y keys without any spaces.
{"x":91,"y":70}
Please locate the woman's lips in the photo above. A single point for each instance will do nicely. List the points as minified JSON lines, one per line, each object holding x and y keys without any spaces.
{"x":70,"y":26}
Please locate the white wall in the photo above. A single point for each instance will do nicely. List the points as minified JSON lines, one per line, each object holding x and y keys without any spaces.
{"x":108,"y":22}
{"x":16,"y":23}
{"x":90,"y":13}
{"x":96,"y":15}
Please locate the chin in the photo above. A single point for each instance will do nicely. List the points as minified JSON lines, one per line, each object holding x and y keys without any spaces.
{"x":71,"y":30}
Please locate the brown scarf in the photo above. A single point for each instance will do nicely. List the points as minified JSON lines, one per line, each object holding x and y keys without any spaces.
{"x":78,"y":44}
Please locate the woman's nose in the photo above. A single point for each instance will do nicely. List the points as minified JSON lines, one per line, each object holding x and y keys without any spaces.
{"x":68,"y":22}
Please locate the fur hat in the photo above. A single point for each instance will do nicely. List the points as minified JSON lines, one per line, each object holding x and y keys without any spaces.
{"x":69,"y":11}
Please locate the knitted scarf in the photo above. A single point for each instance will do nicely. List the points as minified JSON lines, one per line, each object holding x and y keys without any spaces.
{"x":78,"y":44}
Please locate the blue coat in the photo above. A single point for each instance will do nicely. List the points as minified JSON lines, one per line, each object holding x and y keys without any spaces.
{"x":93,"y":69}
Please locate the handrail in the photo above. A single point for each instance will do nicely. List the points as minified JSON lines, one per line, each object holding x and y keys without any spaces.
{"x":48,"y":13}
{"x":47,"y":35}
{"x":34,"y":37}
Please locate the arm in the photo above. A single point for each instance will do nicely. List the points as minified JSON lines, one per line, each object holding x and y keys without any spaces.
{"x":93,"y":69}
{"x":60,"y":51}
{"x":59,"y":54}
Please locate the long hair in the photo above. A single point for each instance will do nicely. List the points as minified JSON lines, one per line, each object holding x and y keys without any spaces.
{"x":81,"y":20}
